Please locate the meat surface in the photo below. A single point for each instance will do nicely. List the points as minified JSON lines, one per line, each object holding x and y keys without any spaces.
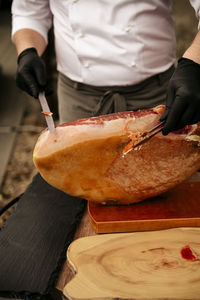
{"x":85,"y":158}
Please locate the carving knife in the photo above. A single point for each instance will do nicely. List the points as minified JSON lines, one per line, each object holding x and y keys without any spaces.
{"x":46,"y":111}
{"x":146,"y":136}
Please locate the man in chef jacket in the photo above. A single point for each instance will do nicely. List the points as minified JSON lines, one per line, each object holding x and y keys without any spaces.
{"x":112,"y":55}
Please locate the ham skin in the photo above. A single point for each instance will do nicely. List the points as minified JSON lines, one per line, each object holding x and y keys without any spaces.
{"x":85,"y":158}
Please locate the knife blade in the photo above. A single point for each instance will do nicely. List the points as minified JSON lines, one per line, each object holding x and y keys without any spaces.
{"x":46,"y":111}
{"x":145,"y":137}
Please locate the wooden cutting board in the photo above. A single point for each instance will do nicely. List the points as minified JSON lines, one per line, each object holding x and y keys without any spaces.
{"x":178,"y":207}
{"x":143,"y":265}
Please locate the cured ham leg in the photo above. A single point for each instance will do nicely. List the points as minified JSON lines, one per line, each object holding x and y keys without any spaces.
{"x":85,"y":158}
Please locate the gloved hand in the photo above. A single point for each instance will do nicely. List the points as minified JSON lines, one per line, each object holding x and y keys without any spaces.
{"x":31,"y":75}
{"x":183,"y":99}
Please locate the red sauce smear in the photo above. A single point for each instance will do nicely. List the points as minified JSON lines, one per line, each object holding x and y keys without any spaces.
{"x":188,"y":253}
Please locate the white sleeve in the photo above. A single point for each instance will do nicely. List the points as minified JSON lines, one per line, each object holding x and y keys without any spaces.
{"x":196,"y":5}
{"x":32,"y":14}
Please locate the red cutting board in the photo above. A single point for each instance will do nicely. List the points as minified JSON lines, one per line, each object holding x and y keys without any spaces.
{"x":179,"y":207}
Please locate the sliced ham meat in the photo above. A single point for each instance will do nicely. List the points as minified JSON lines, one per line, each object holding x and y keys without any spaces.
{"x":85,"y":158}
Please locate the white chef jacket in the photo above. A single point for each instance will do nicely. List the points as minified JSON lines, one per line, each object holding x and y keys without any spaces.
{"x":104,"y":42}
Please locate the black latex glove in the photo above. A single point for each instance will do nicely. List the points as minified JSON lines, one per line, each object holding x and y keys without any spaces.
{"x":183,"y":97}
{"x":31,"y":75}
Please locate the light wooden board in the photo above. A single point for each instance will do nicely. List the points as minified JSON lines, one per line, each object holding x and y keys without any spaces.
{"x":141,"y":265}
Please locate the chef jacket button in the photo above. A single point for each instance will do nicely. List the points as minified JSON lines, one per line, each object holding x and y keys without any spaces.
{"x":81,"y":35}
{"x":128,"y":28}
{"x":133,"y":64}
{"x":74,"y":1}
{"x":86,"y":65}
